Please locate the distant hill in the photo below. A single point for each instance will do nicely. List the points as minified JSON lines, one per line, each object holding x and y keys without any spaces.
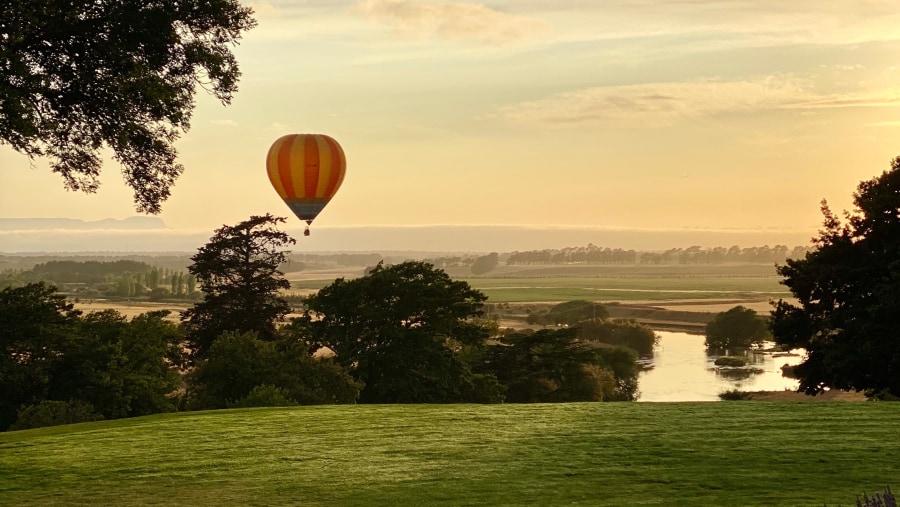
{"x":150,"y":234}
{"x":128,"y":224}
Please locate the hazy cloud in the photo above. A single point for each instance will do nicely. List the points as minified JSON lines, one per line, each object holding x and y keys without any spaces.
{"x":225,"y":123}
{"x":451,"y":20}
{"x":894,"y":123}
{"x":888,"y":98}
{"x":658,"y":104}
{"x":755,"y":22}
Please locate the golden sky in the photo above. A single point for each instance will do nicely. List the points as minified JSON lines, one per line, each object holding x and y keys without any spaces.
{"x":732,"y":114}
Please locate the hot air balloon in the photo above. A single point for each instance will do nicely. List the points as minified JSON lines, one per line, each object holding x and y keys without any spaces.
{"x":306,"y":171}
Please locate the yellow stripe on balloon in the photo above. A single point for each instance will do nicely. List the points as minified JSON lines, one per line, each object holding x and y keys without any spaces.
{"x":272,"y":167}
{"x":326,"y":167}
{"x":342,"y":169}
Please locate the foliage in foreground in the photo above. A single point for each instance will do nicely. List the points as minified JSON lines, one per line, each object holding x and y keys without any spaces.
{"x":238,"y":364}
{"x":76,"y":76}
{"x":50,"y":351}
{"x":54,"y":413}
{"x":848,"y":290}
{"x":885,"y":499}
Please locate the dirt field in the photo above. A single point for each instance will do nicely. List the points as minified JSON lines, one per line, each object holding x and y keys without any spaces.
{"x":802,"y":398}
{"x":130,"y":310}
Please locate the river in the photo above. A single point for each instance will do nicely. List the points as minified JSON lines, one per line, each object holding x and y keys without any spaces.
{"x":680,"y":370}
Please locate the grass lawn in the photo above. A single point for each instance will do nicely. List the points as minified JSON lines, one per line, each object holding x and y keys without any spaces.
{"x":739,"y":453}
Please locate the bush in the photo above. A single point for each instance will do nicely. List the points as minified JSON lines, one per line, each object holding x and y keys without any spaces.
{"x":572,"y":312}
{"x":622,"y":332}
{"x":736,"y":362}
{"x":738,"y":328}
{"x":879,"y":500}
{"x":885,"y":499}
{"x":54,"y":413}
{"x":735,"y":395}
{"x":265,"y":395}
{"x":238,"y":363}
{"x":159,"y":294}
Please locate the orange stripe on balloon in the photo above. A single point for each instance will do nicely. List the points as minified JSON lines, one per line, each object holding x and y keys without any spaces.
{"x":339,"y":164}
{"x":311,"y":166}
{"x":326,"y":166}
{"x":284,"y":167}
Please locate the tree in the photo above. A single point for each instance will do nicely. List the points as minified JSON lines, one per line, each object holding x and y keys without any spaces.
{"x":552,"y":365}
{"x":75,"y":76}
{"x":398,"y":330}
{"x":34,"y":320}
{"x":238,"y":272}
{"x":737,"y":328}
{"x":485,"y":263}
{"x":621,"y":332}
{"x":238,"y":363}
{"x":848,"y":294}
{"x":121,"y":368}
{"x":572,"y":312}
{"x":52,"y":352}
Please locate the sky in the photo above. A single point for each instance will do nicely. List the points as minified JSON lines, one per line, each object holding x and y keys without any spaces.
{"x":641,"y":114}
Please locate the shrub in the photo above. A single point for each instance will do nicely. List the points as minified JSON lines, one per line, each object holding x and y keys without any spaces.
{"x":739,"y":327}
{"x":735,"y":395}
{"x":885,"y":499}
{"x":622,"y":332}
{"x":265,"y":395}
{"x":54,"y":413}
{"x":736,"y":362}
{"x":879,"y":500}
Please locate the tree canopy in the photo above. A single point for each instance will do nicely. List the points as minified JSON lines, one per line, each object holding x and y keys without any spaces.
{"x":238,"y":271}
{"x":100,"y":361}
{"x":237,"y":363}
{"x":78,"y":76}
{"x":738,"y":328}
{"x":848,"y":294}
{"x":553,"y":365}
{"x":397,"y":329}
{"x":620,"y":332}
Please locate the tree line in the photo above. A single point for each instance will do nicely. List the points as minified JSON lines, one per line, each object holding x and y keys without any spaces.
{"x":592,"y":254}
{"x":117,"y":278}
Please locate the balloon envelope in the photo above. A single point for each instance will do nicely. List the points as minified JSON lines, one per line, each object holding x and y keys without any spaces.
{"x":306,"y":171}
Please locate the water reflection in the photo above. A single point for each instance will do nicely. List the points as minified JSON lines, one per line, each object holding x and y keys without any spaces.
{"x":680,"y":370}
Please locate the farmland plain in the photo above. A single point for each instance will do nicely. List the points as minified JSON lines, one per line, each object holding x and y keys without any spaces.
{"x":554,"y":283}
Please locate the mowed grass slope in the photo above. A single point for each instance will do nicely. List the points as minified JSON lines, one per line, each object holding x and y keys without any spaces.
{"x":747,"y":454}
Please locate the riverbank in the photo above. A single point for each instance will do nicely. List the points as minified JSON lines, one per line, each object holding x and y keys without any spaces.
{"x":793,"y":396}
{"x":686,"y":316}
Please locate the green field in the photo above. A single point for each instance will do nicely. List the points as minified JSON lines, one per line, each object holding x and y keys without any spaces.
{"x":690,"y":454}
{"x":523,"y":284}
